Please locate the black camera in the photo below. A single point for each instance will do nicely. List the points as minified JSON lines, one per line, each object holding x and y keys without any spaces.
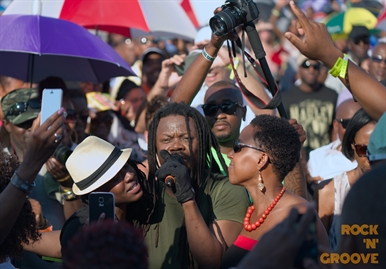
{"x":62,"y":153}
{"x":233,"y":14}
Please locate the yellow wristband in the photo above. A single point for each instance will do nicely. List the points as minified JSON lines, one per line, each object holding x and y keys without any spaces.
{"x":275,"y":12}
{"x":340,"y":67}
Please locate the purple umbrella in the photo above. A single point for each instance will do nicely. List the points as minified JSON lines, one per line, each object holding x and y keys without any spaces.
{"x":34,"y":47}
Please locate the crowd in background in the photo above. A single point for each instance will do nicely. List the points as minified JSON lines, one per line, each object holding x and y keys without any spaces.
{"x":240,"y":169}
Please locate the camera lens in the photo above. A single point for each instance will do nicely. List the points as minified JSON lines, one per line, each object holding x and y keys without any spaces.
{"x":225,"y":21}
{"x":101,"y":200}
{"x":62,"y":153}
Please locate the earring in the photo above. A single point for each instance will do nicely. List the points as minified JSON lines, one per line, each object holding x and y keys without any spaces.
{"x":261,"y":184}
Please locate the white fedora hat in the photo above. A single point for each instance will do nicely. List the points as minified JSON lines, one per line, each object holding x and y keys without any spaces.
{"x":93,"y":163}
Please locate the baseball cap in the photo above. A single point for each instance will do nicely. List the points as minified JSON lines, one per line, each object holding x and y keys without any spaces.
{"x":359,"y":31}
{"x":152,"y":50}
{"x":377,"y":142}
{"x":21,"y":105}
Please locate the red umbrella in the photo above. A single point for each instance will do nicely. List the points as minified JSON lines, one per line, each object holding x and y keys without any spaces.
{"x":115,"y":16}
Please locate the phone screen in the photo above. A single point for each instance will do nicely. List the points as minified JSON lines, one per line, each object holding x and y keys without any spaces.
{"x":51,"y":103}
{"x":101,"y":202}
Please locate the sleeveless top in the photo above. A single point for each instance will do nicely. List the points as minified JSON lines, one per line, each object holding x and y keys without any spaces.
{"x":237,"y":251}
{"x":341,"y":188}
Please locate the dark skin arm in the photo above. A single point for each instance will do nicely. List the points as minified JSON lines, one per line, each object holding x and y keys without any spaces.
{"x":317,"y":44}
{"x":40,"y":146}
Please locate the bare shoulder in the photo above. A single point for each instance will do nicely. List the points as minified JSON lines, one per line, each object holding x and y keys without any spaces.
{"x":325,"y":187}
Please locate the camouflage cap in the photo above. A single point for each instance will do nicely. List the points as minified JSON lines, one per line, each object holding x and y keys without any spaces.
{"x":24,"y":96}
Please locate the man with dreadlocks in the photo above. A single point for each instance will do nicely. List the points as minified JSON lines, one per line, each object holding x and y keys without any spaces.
{"x":198,"y":213}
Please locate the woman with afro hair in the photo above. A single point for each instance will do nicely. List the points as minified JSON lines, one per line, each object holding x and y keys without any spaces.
{"x":266,"y":151}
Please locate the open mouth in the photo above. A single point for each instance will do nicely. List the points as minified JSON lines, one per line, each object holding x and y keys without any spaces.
{"x":134,"y":186}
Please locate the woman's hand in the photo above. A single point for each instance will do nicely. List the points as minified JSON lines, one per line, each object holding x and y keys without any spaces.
{"x":37,"y":209}
{"x":41,"y":144}
{"x":317,"y":43}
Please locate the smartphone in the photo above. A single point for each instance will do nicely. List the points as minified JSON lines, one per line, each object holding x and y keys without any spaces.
{"x":101,"y":202}
{"x":309,"y":247}
{"x":51,"y":103}
{"x":181,"y":69}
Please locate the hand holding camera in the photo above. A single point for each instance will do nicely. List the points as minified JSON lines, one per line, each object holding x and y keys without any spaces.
{"x":174,"y":167}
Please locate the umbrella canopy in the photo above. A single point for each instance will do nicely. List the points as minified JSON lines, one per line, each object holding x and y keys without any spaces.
{"x":115,"y":16}
{"x":381,"y":24}
{"x":341,"y":23}
{"x":34,"y":47}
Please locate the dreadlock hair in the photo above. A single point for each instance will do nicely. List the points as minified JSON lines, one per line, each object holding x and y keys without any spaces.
{"x":25,"y":227}
{"x":201,"y":171}
{"x":205,"y":137}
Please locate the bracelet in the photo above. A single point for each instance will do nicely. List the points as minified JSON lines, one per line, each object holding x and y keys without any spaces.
{"x":275,"y":12}
{"x":207,"y":56}
{"x":69,"y":196}
{"x":64,"y":179}
{"x":340,"y":67}
{"x":22,"y":185}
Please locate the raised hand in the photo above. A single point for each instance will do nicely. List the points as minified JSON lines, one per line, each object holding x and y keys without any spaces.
{"x":174,"y":167}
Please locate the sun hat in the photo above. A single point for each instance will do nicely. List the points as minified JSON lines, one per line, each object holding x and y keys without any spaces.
{"x":377,"y":142}
{"x":93,"y":163}
{"x":98,"y":102}
{"x":24,"y":96}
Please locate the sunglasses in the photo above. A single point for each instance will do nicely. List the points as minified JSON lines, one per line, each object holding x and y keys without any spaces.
{"x":71,"y":116}
{"x":344,"y":122}
{"x":361,"y":150}
{"x":378,"y":59}
{"x":237,"y":147}
{"x":228,"y":108}
{"x":358,"y":40}
{"x":22,"y":107}
{"x":306,"y":64}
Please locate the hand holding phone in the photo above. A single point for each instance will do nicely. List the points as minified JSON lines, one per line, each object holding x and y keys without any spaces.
{"x":101,"y":202}
{"x":51,"y":103}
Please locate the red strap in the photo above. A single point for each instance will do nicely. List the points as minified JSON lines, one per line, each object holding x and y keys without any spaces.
{"x":253,"y":99}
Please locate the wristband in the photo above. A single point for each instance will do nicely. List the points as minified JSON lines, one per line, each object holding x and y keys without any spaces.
{"x":275,"y":12}
{"x":340,"y":67}
{"x":69,"y":196}
{"x":64,"y":179}
{"x":207,"y":56}
{"x":22,"y":185}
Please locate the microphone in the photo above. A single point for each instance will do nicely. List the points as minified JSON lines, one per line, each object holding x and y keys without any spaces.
{"x":170,"y":181}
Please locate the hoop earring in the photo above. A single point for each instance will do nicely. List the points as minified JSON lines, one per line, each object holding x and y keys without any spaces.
{"x":260,"y":185}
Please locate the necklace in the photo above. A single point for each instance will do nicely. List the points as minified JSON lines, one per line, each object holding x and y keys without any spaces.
{"x":251,"y":227}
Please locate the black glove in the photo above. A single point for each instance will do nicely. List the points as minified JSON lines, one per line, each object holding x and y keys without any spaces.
{"x":174,"y":166}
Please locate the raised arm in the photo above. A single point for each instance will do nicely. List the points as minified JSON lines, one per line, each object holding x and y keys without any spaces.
{"x":41,"y":145}
{"x":317,"y":44}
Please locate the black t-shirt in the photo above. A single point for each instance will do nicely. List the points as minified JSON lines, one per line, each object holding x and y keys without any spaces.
{"x":315,"y":111}
{"x":73,"y":225}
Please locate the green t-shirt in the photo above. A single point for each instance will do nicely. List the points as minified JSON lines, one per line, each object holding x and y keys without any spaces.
{"x":229,"y":202}
{"x":226,"y":159}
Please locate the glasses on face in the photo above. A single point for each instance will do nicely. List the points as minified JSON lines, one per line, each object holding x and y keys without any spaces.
{"x":358,"y":40}
{"x":378,"y":59}
{"x":237,"y":147}
{"x":22,"y":107}
{"x":344,"y":122}
{"x":228,"y":108}
{"x":361,"y":150}
{"x":102,"y":119}
{"x":71,"y":116}
{"x":307,"y":64}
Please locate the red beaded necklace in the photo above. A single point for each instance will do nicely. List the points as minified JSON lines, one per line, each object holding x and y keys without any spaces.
{"x":251,"y":227}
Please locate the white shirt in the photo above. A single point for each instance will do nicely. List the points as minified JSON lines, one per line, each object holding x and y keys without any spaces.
{"x":327,"y":161}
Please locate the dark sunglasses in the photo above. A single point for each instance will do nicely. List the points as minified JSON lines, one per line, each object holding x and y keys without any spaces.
{"x":237,"y":147}
{"x":22,"y":107}
{"x":361,"y":150}
{"x":378,"y":59}
{"x":306,"y":64}
{"x":71,"y":115}
{"x":99,"y":120}
{"x":228,"y":108}
{"x":344,"y":122}
{"x":358,"y":40}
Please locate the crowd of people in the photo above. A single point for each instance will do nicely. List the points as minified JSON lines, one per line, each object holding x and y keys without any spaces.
{"x":205,"y":170}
